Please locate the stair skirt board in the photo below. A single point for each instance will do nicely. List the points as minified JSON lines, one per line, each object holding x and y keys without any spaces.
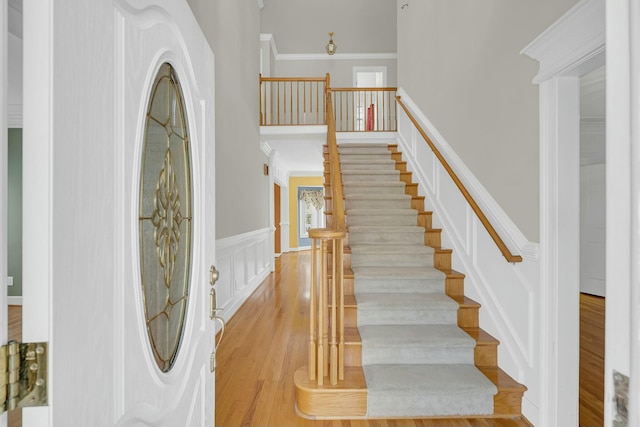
{"x":416,"y":360}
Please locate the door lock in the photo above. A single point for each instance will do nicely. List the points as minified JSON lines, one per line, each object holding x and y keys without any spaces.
{"x":214,"y":275}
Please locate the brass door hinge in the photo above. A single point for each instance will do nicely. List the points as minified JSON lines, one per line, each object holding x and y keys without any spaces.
{"x":23,"y":375}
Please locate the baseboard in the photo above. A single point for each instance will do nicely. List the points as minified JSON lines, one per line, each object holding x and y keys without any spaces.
{"x":14,"y":300}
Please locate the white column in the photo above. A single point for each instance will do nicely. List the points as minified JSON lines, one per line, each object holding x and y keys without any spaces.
{"x":621,"y":246}
{"x":559,"y":248}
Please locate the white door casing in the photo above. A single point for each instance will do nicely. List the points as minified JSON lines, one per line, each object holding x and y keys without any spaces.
{"x":571,"y":47}
{"x":3,"y":180}
{"x":89,"y":69}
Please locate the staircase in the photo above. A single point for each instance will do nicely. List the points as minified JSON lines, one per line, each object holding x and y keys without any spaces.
{"x":413,"y":345}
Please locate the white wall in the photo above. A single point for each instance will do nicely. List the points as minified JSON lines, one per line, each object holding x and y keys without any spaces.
{"x":592,"y":209}
{"x":509,"y":293}
{"x":460,"y":63}
{"x":341,"y":70}
{"x":360,"y":26}
{"x":242,"y":191}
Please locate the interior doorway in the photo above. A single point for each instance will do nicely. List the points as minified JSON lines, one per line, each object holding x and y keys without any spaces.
{"x":276,"y":220}
{"x":592,"y":246}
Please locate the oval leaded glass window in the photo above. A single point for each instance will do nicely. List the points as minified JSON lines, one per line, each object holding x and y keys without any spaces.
{"x":165,"y":218}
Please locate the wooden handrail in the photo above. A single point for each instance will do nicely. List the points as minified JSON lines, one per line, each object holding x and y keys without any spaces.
{"x":483,"y":219}
{"x":364,"y":89}
{"x":292,"y":79}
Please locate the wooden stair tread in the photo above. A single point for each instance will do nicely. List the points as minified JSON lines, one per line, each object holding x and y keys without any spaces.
{"x":481,"y":336}
{"x":465,"y":302}
{"x":452,"y":274}
{"x":348,"y":398}
{"x":352,"y":336}
{"x":353,"y":380}
{"x":508,"y":400}
{"x":501,"y":379}
{"x":350,"y":301}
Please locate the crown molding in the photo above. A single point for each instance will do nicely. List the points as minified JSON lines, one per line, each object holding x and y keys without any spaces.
{"x":269,"y":38}
{"x":336,"y":57}
{"x":322,"y":56}
{"x":572,"y":43}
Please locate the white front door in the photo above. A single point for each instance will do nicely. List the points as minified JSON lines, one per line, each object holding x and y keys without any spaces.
{"x":108,"y":215}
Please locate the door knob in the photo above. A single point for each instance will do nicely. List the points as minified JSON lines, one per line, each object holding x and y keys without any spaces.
{"x":214,"y":275}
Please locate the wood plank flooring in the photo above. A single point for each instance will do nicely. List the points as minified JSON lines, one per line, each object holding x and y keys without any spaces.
{"x":592,"y":311}
{"x":266,"y":341}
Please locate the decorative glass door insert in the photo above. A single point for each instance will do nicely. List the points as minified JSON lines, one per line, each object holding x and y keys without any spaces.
{"x":165,"y":218}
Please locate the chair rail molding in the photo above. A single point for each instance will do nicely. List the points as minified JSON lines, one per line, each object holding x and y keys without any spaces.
{"x":244,"y":261}
{"x":568,"y":49}
{"x":508,"y":291}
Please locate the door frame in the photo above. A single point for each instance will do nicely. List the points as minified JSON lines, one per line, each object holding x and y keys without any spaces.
{"x":4,"y":141}
{"x":571,"y":47}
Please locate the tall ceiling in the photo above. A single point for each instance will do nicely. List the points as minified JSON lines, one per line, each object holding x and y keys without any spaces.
{"x":302,"y":26}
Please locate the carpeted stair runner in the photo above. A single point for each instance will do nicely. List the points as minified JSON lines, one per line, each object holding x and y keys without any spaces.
{"x":416,"y":360}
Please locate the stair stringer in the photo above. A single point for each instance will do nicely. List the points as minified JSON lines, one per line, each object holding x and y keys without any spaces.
{"x":507,"y":292}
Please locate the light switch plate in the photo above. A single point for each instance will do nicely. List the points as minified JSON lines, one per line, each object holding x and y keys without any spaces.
{"x":10,"y":281}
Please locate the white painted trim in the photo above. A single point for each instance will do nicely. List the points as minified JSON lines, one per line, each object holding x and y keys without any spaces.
{"x":14,"y":300}
{"x":371,"y":69}
{"x":14,"y":115}
{"x":531,"y":251}
{"x":367,"y":137}
{"x":568,"y":43}
{"x":284,"y":132}
{"x":569,"y":48}
{"x":336,"y":57}
{"x":269,"y":38}
{"x":4,"y":184}
{"x":244,"y":261}
{"x":507,"y":292}
{"x":239,"y":239}
{"x":322,"y":56}
{"x":508,"y":231}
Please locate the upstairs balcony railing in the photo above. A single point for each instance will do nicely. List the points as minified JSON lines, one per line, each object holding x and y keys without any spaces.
{"x":300,"y":101}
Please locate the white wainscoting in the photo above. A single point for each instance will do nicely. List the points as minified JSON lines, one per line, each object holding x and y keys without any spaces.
{"x":509,"y":293}
{"x":243,"y":261}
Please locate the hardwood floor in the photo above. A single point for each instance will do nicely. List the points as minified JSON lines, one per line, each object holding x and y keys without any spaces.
{"x":592,"y":311}
{"x":266,"y":341}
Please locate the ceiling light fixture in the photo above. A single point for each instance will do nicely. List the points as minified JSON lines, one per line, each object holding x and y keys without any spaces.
{"x":331,"y":47}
